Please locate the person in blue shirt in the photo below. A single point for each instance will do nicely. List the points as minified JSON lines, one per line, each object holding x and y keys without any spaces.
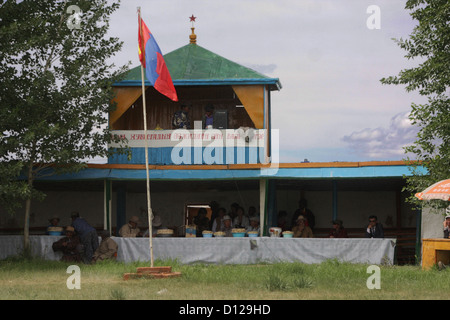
{"x":88,"y":236}
{"x":208,"y":119}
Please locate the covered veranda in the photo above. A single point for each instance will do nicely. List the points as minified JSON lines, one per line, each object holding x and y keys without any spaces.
{"x":107,"y":195}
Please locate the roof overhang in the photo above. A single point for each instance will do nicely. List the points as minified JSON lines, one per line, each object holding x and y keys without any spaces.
{"x":273,"y":83}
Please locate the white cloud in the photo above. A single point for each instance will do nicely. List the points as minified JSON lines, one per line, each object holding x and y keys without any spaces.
{"x":384,"y":143}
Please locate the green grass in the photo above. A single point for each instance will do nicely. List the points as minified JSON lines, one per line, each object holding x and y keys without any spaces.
{"x":30,"y":279}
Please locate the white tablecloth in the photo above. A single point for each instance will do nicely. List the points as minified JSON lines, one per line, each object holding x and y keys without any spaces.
{"x":226,"y":250}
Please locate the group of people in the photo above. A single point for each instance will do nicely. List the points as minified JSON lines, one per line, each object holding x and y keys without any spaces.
{"x":132,"y":230}
{"x":181,"y":118}
{"x":80,"y":242}
{"x":224,"y":221}
{"x":303,"y":223}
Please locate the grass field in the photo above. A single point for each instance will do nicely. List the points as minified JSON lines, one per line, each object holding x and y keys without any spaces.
{"x":32,"y":279}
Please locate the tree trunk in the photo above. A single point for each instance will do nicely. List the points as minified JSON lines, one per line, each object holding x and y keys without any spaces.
{"x":26,"y":228}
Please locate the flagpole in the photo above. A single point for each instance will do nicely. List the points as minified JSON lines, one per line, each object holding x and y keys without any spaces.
{"x":149,"y":210}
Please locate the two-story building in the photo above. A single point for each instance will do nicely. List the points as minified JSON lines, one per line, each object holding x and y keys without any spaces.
{"x":234,"y":160}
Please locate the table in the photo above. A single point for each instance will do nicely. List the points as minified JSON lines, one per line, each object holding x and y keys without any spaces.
{"x":227,"y":250}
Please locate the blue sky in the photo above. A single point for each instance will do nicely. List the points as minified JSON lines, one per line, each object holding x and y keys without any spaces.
{"x":332,"y":106}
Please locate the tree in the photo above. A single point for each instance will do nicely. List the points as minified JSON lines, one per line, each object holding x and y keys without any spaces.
{"x":55,"y":93}
{"x":429,"y":42}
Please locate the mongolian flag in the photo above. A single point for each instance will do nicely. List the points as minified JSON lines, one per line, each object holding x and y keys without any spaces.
{"x":153,"y":62}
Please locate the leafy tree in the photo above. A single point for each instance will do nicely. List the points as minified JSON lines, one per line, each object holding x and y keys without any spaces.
{"x":55,"y":93}
{"x":430,"y":43}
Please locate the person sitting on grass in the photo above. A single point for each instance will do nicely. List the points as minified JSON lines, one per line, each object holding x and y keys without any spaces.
{"x":107,"y":248}
{"x":70,"y":246}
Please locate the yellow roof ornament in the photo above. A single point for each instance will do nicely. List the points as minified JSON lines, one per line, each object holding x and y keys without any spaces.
{"x":192,"y":36}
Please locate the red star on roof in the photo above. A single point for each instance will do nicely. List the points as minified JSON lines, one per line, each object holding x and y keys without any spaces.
{"x":192,"y":18}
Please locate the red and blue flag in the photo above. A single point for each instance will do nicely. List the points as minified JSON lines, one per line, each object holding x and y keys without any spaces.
{"x":153,"y":62}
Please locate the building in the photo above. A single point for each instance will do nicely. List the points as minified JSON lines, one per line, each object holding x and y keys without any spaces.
{"x":235,"y":162}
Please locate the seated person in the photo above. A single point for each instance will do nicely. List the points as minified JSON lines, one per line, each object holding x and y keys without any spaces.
{"x":374,"y":229}
{"x":254,"y":224}
{"x":218,"y":220}
{"x":241,"y":220}
{"x":338,"y":230}
{"x":107,"y":248}
{"x":282,"y":221}
{"x":447,"y":227}
{"x":208,"y":119}
{"x":201,"y":221}
{"x":181,"y":119}
{"x":130,"y":230}
{"x":227,"y":227}
{"x":70,"y":246}
{"x":54,"y":221}
{"x":156,"y":224}
{"x":301,"y":230}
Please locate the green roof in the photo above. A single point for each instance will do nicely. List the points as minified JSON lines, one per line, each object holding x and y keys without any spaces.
{"x":195,"y":65}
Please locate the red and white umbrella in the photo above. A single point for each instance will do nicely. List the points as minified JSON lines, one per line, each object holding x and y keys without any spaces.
{"x":438,"y":191}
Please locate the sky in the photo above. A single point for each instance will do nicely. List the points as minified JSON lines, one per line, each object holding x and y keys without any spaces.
{"x":332,"y":105}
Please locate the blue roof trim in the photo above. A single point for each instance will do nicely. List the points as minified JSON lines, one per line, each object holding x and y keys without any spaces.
{"x":205,"y":82}
{"x":282,"y":173}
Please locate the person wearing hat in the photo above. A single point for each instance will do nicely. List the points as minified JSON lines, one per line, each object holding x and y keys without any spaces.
{"x":227,"y":226}
{"x":70,"y":246}
{"x":54,"y":221}
{"x":88,"y":236}
{"x":254,"y":224}
{"x":301,"y":230}
{"x":338,"y":230}
{"x":310,"y":219}
{"x":107,"y":248}
{"x":131,"y":230}
{"x":156,"y":224}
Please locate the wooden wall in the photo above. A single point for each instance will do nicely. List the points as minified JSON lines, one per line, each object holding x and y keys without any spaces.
{"x":160,"y":109}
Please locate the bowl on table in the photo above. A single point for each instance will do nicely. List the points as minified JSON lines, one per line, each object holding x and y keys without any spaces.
{"x":219,"y":234}
{"x":253,"y":234}
{"x":54,"y":231}
{"x":207,"y":234}
{"x":164,"y":233}
{"x":238,"y":232}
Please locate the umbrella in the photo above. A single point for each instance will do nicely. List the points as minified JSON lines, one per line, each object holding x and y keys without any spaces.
{"x":438,"y":191}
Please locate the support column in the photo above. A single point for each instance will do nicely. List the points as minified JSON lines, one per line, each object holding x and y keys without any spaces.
{"x":419,"y":236}
{"x":272,"y":215}
{"x":263,"y":207}
{"x":121,"y":208}
{"x":335,"y":198}
{"x":107,"y":195}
